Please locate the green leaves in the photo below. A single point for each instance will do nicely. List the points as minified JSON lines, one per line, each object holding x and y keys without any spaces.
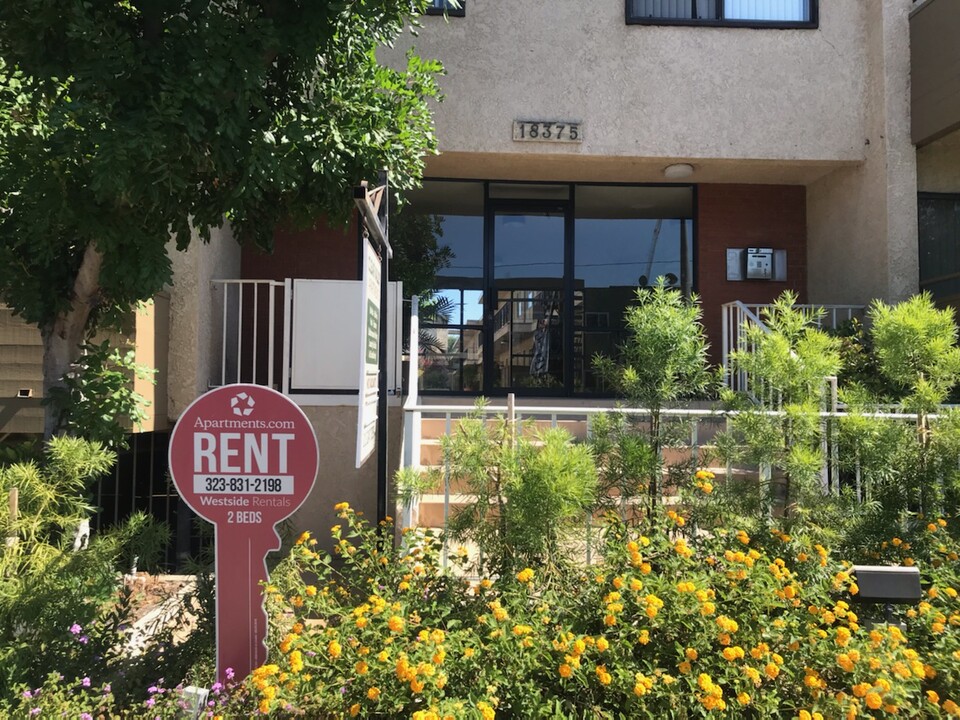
{"x":666,"y":356}
{"x":916,"y":347}
{"x":121,"y":123}
{"x":97,"y":399}
{"x":528,"y":491}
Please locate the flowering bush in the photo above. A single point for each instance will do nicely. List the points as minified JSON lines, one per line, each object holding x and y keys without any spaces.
{"x":666,"y":626}
{"x":83,"y":699}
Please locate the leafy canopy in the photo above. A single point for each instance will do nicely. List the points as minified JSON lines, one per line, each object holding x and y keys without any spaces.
{"x":121,"y":122}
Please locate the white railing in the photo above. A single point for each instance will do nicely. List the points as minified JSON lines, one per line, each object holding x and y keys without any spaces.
{"x":699,"y":436}
{"x":254,"y":320}
{"x":736,"y":316}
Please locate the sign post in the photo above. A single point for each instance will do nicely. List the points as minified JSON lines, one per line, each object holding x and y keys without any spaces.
{"x":243,"y":457}
{"x":374,"y":207}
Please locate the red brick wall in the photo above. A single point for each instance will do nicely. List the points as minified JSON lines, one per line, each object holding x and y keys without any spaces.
{"x":741,"y":216}
{"x":319,"y":252}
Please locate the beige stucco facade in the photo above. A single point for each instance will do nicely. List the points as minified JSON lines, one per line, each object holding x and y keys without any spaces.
{"x":826,"y":108}
{"x":194,"y":308}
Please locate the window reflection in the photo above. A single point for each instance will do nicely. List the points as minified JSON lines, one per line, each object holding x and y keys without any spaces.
{"x":625,"y":238}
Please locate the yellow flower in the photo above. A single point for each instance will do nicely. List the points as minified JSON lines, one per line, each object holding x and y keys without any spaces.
{"x":743,"y":698}
{"x":690,"y":653}
{"x":873,"y":701}
{"x":525,"y":575}
{"x":334,"y":649}
{"x":395,"y":623}
{"x":486,"y":711}
{"x":565,"y":670}
{"x":341,"y":507}
{"x":310,"y":590}
{"x":354,"y":709}
{"x":602,"y":644}
{"x":602,"y":675}
{"x":296,"y":661}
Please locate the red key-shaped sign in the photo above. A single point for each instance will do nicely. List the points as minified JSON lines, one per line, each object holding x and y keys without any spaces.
{"x":243,"y":457}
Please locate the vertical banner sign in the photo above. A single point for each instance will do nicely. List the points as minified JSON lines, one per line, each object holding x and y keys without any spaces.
{"x":369,"y":354}
{"x":243,"y":457}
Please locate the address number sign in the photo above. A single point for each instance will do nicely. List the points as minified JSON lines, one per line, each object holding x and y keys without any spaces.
{"x":554,"y":131}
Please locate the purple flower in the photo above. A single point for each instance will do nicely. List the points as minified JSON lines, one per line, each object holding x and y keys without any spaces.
{"x":75,"y":629}
{"x":151,"y":702}
{"x":85,"y":682}
{"x":153,"y":689}
{"x":84,"y":639}
{"x":217,"y":687}
{"x":86,"y":716}
{"x":107,"y":688}
{"x":27,"y":694}
{"x":35,"y":711}
{"x":229,"y":673}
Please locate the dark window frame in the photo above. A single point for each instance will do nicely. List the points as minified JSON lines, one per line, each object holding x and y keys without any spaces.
{"x":449,"y":11}
{"x":693,"y":241}
{"x":812,"y":24}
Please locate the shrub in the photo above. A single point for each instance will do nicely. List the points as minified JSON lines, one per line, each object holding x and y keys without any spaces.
{"x":529,"y":493}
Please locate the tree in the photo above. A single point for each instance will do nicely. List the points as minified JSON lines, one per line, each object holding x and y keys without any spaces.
{"x":125,"y":123}
{"x":663,"y":360}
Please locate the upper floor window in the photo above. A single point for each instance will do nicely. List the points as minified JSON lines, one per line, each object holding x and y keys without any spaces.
{"x":732,"y":13}
{"x":453,"y":8}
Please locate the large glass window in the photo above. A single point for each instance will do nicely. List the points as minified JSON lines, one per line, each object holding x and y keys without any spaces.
{"x":625,"y":238}
{"x":449,"y":216}
{"x":534,"y":278}
{"x":774,"y":13}
{"x":528,"y":275}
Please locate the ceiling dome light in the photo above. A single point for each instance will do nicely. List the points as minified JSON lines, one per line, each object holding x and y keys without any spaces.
{"x":678,"y":171}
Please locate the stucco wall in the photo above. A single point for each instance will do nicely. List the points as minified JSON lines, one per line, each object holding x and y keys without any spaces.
{"x":649,"y":91}
{"x":863,"y":220}
{"x":337,"y":479}
{"x":193,"y":307}
{"x":938,"y":165}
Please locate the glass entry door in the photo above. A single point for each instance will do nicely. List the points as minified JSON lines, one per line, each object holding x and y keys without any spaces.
{"x":527,"y":297}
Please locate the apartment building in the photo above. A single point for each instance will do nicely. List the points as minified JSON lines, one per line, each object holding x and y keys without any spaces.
{"x":734,"y":148}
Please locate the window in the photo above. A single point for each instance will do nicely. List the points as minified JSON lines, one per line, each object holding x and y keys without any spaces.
{"x":453,"y":8}
{"x":939,"y":220}
{"x":730,"y":13}
{"x":535,"y":277}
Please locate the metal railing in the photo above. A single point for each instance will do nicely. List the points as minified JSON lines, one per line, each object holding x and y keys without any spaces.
{"x":254,"y":342}
{"x":699,"y":436}
{"x":738,"y":316}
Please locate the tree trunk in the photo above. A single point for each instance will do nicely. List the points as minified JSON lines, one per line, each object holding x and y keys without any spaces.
{"x":63,"y":336}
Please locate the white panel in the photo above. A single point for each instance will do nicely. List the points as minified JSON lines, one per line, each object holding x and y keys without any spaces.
{"x":326,"y":335}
